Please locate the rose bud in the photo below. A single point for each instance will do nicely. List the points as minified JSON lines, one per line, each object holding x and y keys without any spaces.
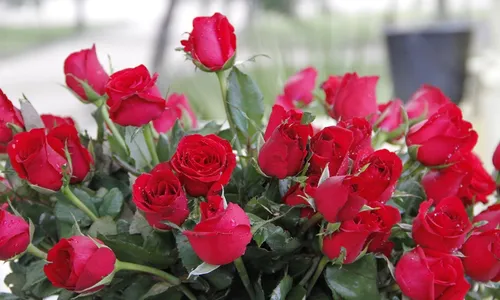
{"x":160,"y":196}
{"x":381,"y":219}
{"x":176,"y":105}
{"x":378,"y":174}
{"x":51,"y":121}
{"x":298,"y":91}
{"x":222,"y":234}
{"x":425,"y":274}
{"x":212,"y":43}
{"x":438,"y":138}
{"x":81,"y":160}
{"x":330,"y":146}
{"x":79,"y":263}
{"x":426,"y":101}
{"x":337,"y":200}
{"x":350,"y":96}
{"x":361,"y":133}
{"x":496,"y":158}
{"x":391,"y":119}
{"x":298,"y":193}
{"x":9,"y":114}
{"x":38,"y":158}
{"x":84,"y":66}
{"x":14,"y":235}
{"x":443,"y":229}
{"x":202,"y":161}
{"x":134,"y":99}
{"x":467,"y":179}
{"x":491,"y":215}
{"x":482,"y":256}
{"x":351,"y":236}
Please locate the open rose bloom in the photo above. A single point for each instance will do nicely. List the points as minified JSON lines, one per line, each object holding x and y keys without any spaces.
{"x":267,"y":204}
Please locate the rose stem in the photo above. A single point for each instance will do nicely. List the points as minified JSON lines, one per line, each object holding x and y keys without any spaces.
{"x":310,"y":272}
{"x":33,"y":250}
{"x":223,"y":89}
{"x":148,"y":136}
{"x":169,"y":278}
{"x":76,"y":202}
{"x":116,"y":134}
{"x":311,"y":222}
{"x":240,"y":266}
{"x":321,"y":266}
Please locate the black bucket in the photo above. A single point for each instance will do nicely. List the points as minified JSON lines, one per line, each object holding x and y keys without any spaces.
{"x":436,"y":55}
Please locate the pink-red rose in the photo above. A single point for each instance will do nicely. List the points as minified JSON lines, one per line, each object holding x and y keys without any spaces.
{"x":425,"y":102}
{"x":482,"y":256}
{"x":491,"y":215}
{"x":361,"y":132}
{"x":330,"y":146}
{"x":14,"y":235}
{"x":8,"y":114}
{"x":176,"y":105}
{"x":202,"y":161}
{"x":391,"y":117}
{"x":51,"y":121}
{"x":298,"y":193}
{"x":134,"y":99}
{"x":298,"y":91}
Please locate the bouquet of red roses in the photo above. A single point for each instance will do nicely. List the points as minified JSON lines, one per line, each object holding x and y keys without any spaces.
{"x":155,"y":207}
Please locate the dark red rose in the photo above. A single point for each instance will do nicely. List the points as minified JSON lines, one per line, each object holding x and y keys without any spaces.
{"x":425,"y":274}
{"x":482,"y":255}
{"x":381,"y":220}
{"x":51,"y":121}
{"x":441,"y":136}
{"x":81,"y":160}
{"x":351,"y":96}
{"x":391,"y":117}
{"x":77,"y":264}
{"x":467,"y":179}
{"x":134,"y":99}
{"x":378,"y":174}
{"x":8,"y":114}
{"x":278,"y":116}
{"x":426,"y":101}
{"x":337,"y":200}
{"x":222,"y":234}
{"x":330,"y":146}
{"x":160,"y":196}
{"x":176,"y":105}
{"x":298,"y":91}
{"x":444,"y":228}
{"x":38,"y":158}
{"x":202,"y":161}
{"x":491,"y":215}
{"x":14,"y":235}
{"x":85,"y":66}
{"x":362,"y":133}
{"x":212,"y":43}
{"x":496,"y":158}
{"x":298,"y":193}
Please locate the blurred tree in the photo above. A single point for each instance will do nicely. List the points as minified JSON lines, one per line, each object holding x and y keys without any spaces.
{"x":286,"y":7}
{"x":162,"y":36}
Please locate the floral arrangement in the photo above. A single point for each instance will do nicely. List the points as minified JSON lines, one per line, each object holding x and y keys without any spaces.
{"x":155,"y":206}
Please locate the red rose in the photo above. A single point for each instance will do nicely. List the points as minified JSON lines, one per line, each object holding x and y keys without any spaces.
{"x":222,"y":234}
{"x":38,"y":158}
{"x":378,"y":175}
{"x":298,"y":91}
{"x":212,"y":43}
{"x":176,"y":105}
{"x":330,"y":146}
{"x":362,"y":133}
{"x":85,"y":66}
{"x":496,"y":158}
{"x":160,"y":196}
{"x":297,"y":193}
{"x":14,"y":235}
{"x":337,"y":200}
{"x":466,"y":179}
{"x":492,"y":215}
{"x":425,"y":274}
{"x":285,"y":148}
{"x":202,"y":161}
{"x":391,"y":114}
{"x":381,"y":220}
{"x":51,"y":121}
{"x":426,"y":101}
{"x":443,"y":229}
{"x":482,"y":255}
{"x":442,"y":135}
{"x":81,"y":160}
{"x":8,"y":114}
{"x":134,"y":99}
{"x":350,"y":96}
{"x":351,"y":236}
{"x":78,"y":263}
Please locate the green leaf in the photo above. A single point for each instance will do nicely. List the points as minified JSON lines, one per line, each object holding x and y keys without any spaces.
{"x":246,"y":104}
{"x":66,"y":212}
{"x":162,"y":148}
{"x":5,"y":296}
{"x":202,"y":269}
{"x":283,"y":288}
{"x":134,"y":138}
{"x":188,"y":257}
{"x":297,"y":293}
{"x":307,"y":118}
{"x":162,"y":290}
{"x":44,"y":289}
{"x":176,"y":135}
{"x":140,"y":226}
{"x":112,"y":203}
{"x":31,"y":117}
{"x":354,"y":281}
{"x":210,"y":128}
{"x":104,"y":225}
{"x":34,"y":274}
{"x":220,"y":279}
